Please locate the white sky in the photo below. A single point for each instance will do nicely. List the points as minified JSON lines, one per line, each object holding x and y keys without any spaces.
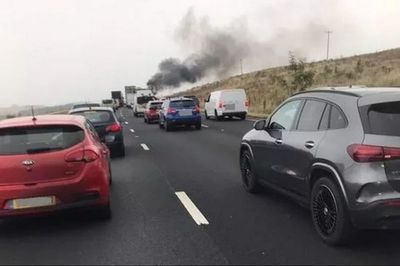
{"x":61,"y":51}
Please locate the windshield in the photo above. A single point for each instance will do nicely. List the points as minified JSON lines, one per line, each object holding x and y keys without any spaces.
{"x":31,"y":140}
{"x":182,"y":104}
{"x":144,"y":99}
{"x":97,"y":117}
{"x":107,"y":101}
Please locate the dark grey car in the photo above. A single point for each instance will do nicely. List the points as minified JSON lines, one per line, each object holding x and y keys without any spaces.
{"x":336,"y":151}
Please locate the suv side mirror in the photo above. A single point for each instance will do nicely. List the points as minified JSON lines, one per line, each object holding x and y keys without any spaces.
{"x":260,"y":124}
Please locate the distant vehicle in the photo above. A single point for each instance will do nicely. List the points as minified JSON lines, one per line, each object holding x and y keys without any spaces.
{"x":118,"y":98}
{"x":52,"y":163}
{"x":140,"y":98}
{"x":108,"y":103}
{"x":152,"y":112}
{"x":84,"y":105}
{"x":228,"y":103}
{"x":194,"y":98}
{"x":336,"y":151}
{"x":107,"y":125}
{"x":179,"y":112}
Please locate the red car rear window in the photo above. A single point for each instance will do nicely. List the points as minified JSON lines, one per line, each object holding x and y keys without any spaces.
{"x":38,"y":139}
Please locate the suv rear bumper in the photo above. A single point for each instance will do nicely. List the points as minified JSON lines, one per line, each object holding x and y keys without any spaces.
{"x":184,"y":120}
{"x":379,"y":215}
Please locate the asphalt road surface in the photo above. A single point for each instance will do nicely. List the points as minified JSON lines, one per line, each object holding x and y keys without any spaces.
{"x":151,"y":225}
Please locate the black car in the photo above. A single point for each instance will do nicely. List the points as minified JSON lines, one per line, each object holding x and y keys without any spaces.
{"x":336,"y":151}
{"x":107,"y":125}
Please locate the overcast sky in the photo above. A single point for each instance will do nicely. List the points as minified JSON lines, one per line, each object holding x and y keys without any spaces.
{"x":61,"y":51}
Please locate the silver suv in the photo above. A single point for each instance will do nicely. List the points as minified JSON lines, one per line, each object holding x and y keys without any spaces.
{"x":336,"y":151}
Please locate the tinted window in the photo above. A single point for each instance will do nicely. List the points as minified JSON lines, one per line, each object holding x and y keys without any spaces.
{"x":29,"y":140}
{"x":311,"y":115}
{"x":324,"y":124}
{"x":97,"y":117}
{"x":107,"y":101}
{"x":337,"y":119}
{"x":285,"y":116}
{"x":85,"y":105}
{"x":144,"y":99}
{"x":383,"y":119}
{"x":182,"y":104}
{"x":156,"y":105}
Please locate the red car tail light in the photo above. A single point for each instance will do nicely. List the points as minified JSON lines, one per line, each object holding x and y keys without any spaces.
{"x":370,"y":153}
{"x":81,"y":156}
{"x":171,"y":111}
{"x":220,"y":104}
{"x":196,"y":110}
{"x":116,"y":127}
{"x":246,"y":103}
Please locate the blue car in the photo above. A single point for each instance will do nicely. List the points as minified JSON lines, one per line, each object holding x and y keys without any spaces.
{"x":179,"y":112}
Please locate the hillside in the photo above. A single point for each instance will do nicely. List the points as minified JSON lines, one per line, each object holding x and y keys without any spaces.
{"x":267,"y":88}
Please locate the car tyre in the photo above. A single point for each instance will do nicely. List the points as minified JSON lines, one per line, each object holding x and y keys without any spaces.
{"x":161,"y":125}
{"x":243,"y":117}
{"x":198,"y":126}
{"x":329,"y":213}
{"x":104,"y":212}
{"x":216,"y":115}
{"x":249,"y":178}
{"x":145,"y":120}
{"x":167,"y":126}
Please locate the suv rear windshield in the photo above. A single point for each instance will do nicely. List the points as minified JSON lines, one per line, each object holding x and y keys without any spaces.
{"x":97,"y":117}
{"x":84,"y":105}
{"x":181,"y":104}
{"x":381,"y":118}
{"x":156,"y":105}
{"x":29,"y":140}
{"x":107,"y":101}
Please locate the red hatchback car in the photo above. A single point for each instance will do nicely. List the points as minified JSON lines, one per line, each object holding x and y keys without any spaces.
{"x":51,"y":163}
{"x":152,"y":112}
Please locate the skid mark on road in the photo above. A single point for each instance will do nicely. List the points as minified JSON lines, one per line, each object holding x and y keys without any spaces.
{"x":197,"y":216}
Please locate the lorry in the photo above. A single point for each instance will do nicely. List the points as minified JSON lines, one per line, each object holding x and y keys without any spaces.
{"x":118,"y":98}
{"x":137,"y":98}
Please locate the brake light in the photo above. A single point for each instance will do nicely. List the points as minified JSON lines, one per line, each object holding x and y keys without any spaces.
{"x":171,"y":110}
{"x":370,"y":153}
{"x":220,"y":104}
{"x":116,"y":127}
{"x":246,"y":103}
{"x":196,"y":110}
{"x":81,"y":156}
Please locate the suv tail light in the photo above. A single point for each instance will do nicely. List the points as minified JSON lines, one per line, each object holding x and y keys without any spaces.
{"x":196,"y":110}
{"x":171,"y":111}
{"x":220,"y":104}
{"x":86,"y":156}
{"x":116,"y":127}
{"x":246,"y":103}
{"x":369,"y":153}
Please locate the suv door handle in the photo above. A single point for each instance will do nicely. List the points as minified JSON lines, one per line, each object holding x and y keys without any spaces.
{"x":278,"y":141}
{"x":309,"y":144}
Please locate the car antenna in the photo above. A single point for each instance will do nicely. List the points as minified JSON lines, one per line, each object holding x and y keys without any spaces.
{"x":33,"y":114}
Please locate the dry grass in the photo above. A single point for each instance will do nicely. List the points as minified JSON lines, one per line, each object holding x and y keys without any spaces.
{"x":266,"y":88}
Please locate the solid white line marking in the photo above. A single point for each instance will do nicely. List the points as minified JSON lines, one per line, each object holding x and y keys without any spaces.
{"x":144,"y":146}
{"x":203,"y":125}
{"x":126,"y":123}
{"x":133,"y":131}
{"x":197,"y":216}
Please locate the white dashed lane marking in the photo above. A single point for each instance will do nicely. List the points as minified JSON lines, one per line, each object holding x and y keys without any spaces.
{"x":203,"y":125}
{"x":197,"y":216}
{"x":144,"y":146}
{"x":131,"y":130}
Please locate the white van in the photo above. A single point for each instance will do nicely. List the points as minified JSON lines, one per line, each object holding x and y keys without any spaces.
{"x":226,"y":103}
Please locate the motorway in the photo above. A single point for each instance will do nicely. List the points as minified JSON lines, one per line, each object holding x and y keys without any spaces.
{"x":150,"y":225}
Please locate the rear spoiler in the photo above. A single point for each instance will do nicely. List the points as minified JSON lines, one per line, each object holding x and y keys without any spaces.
{"x":379,"y":98}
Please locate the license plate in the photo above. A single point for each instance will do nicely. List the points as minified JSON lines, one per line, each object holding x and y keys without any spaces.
{"x":33,"y":202}
{"x":229,"y":106}
{"x":185,"y":112}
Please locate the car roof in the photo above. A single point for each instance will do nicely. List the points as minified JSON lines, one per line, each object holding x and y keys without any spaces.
{"x":83,"y":109}
{"x":43,"y":120}
{"x":355,"y":91}
{"x":180,"y":98}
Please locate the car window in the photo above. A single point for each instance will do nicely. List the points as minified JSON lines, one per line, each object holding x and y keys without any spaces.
{"x":180,"y":104}
{"x":97,"y":117}
{"x":28,"y":140}
{"x":324,"y":124}
{"x":311,"y":115}
{"x":337,"y":119}
{"x":382,"y":119}
{"x":285,"y":116}
{"x":92,"y":131}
